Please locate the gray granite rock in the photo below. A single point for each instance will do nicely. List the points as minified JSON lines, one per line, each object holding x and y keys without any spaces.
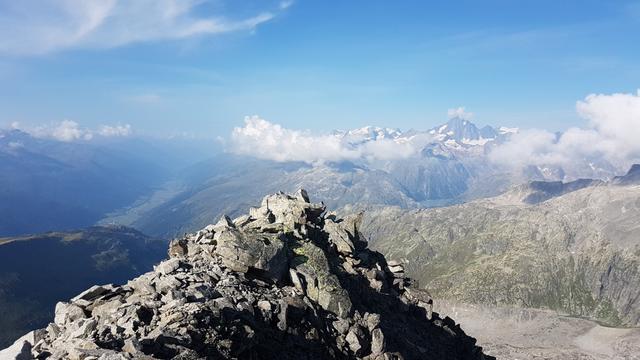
{"x":284,"y":282}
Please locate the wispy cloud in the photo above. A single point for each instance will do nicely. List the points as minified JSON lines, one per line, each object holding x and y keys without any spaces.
{"x":30,"y":27}
{"x":117,"y":130}
{"x":285,"y":4}
{"x":535,"y":43}
{"x":69,"y":130}
{"x":65,"y":130}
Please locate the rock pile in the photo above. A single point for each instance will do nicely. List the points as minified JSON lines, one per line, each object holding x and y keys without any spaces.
{"x":287,"y":281}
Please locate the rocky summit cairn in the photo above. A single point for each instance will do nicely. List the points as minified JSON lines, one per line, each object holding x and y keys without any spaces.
{"x":287,"y":281}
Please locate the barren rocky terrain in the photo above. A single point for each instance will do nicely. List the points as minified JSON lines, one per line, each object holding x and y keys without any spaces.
{"x":578,"y":253}
{"x":527,"y":334}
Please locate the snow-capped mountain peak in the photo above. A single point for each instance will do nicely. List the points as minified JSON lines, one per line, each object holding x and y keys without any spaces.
{"x":457,"y":134}
{"x":458,"y":131}
{"x":370,"y":133}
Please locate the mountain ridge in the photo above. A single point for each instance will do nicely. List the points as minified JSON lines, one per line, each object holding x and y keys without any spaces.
{"x":286,"y":281}
{"x":575,"y":252}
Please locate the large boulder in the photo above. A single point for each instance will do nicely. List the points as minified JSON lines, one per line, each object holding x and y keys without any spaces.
{"x":340,"y":237}
{"x":242,"y":252}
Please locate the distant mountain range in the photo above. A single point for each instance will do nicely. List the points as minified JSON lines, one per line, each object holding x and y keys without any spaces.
{"x":456,"y":132}
{"x":451,"y":166}
{"x":47,"y":184}
{"x":53,"y":185}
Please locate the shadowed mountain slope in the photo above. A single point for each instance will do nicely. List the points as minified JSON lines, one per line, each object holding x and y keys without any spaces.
{"x":36,"y":271}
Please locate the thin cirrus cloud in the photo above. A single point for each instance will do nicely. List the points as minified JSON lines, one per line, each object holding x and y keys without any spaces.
{"x":265,"y":140}
{"x":69,"y":130}
{"x":32,"y":27}
{"x":611,"y":133}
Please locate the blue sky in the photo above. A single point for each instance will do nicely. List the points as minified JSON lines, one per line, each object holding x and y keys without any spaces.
{"x":199,"y":67}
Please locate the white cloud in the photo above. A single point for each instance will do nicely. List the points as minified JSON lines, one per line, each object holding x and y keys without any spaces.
{"x":42,"y":26}
{"x":285,"y":4}
{"x":69,"y":130}
{"x":614,"y":117}
{"x":527,"y":147}
{"x":263,"y":139}
{"x":118,"y":130}
{"x":459,"y":113}
{"x":611,"y":134}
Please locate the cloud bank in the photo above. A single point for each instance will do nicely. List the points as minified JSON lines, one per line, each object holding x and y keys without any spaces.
{"x":265,"y":140}
{"x":30,"y":27}
{"x":69,"y":130}
{"x":612,"y":133}
{"x":608,"y":142}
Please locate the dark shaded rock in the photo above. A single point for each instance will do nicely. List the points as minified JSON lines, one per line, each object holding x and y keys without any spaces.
{"x":630,"y":178}
{"x":544,"y":190}
{"x":243,"y":252}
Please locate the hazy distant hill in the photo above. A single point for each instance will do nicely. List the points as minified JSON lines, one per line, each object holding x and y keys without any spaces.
{"x":36,"y":271}
{"x":52,"y":185}
{"x":203,"y":194}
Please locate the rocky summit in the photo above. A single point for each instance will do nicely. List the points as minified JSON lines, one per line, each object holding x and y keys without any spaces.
{"x":287,"y":281}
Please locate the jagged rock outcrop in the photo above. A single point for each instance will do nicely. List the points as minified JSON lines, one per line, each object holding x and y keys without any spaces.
{"x":287,"y":281}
